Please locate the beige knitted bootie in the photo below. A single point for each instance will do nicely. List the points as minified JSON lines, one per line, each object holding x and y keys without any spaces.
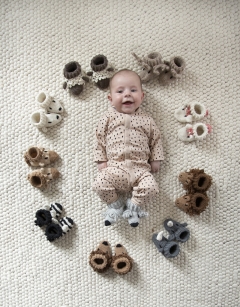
{"x":174,"y":69}
{"x":100,"y":259}
{"x":41,"y":178}
{"x":38,"y":156}
{"x":121,"y":262}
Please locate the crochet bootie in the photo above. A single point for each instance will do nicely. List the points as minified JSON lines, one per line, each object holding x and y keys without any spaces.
{"x":177,"y":231}
{"x":169,"y":249}
{"x":50,"y":104}
{"x":48,"y":215}
{"x":38,"y":156}
{"x":114,"y":212}
{"x":41,"y":178}
{"x":133,"y":213}
{"x":196,"y":180}
{"x":193,"y":204}
{"x":151,"y":65}
{"x":43,"y":120}
{"x":102,"y":71}
{"x":121,"y":262}
{"x":75,"y":78}
{"x":100,"y":259}
{"x":189,"y":112}
{"x":190,"y":133}
{"x":174,"y":69}
{"x":55,"y":231}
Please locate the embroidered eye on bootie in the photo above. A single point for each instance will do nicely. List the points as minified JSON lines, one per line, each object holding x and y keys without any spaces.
{"x":42,"y":120}
{"x":49,"y":103}
{"x":192,"y":204}
{"x":75,"y":78}
{"x":168,"y":248}
{"x":177,"y":231}
{"x":133,"y":213}
{"x":190,"y":133}
{"x":100,"y":259}
{"x":189,"y":112}
{"x":102,"y":71}
{"x":38,"y":156}
{"x":114,"y":212}
{"x":41,"y":178}
{"x":173,"y":69}
{"x":121,"y":262}
{"x":55,"y":231}
{"x":48,"y":215}
{"x":196,"y":180}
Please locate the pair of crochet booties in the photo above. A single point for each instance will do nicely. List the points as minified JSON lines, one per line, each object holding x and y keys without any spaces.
{"x":126,"y":209}
{"x":76,"y":78}
{"x":188,"y":113}
{"x":196,"y":182}
{"x":169,"y":247}
{"x":50,"y":113}
{"x":101,"y":259}
{"x":154,"y":66}
{"x":40,"y":157}
{"x":49,"y":217}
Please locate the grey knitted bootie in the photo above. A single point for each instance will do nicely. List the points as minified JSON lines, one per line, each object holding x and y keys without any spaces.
{"x":174,"y":69}
{"x":168,"y":248}
{"x":133,"y":213}
{"x":177,"y":231}
{"x":114,"y":212}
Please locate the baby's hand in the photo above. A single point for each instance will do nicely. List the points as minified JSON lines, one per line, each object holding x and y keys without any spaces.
{"x":102,"y":165}
{"x":155,"y":166}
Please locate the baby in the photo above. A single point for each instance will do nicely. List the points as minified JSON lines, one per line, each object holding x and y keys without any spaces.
{"x":128,"y":150}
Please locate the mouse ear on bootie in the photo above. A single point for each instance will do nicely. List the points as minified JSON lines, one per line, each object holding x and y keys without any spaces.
{"x":100,"y":259}
{"x":121,"y":262}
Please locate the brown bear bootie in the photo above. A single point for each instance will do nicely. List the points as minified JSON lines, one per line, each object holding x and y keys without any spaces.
{"x":121,"y":262}
{"x":102,"y":71}
{"x":193,"y":204}
{"x":196,"y":180}
{"x":100,"y":259}
{"x":41,"y":178}
{"x":75,"y":78}
{"x":38,"y":156}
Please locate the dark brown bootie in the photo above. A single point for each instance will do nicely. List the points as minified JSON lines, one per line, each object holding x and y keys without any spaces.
{"x":75,"y":78}
{"x":121,"y":262}
{"x":196,"y":180}
{"x":100,"y":259}
{"x":193,"y":204}
{"x":102,"y":71}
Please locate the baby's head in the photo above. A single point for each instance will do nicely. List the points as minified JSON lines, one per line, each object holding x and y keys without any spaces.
{"x":126,"y":93}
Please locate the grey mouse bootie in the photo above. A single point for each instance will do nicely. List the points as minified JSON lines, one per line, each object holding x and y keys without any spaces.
{"x":168,"y":248}
{"x":75,"y":78}
{"x":177,"y":231}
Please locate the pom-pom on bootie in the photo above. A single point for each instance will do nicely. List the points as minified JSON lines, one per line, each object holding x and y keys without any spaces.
{"x":38,"y":156}
{"x":100,"y":259}
{"x":114,"y":212}
{"x":177,"y":231}
{"x":168,"y":248}
{"x":42,"y":120}
{"x":133,"y":213}
{"x":121,"y":262}
{"x":48,"y":215}
{"x":101,"y":72}
{"x":173,"y":69}
{"x":189,"y":112}
{"x":55,"y":231}
{"x":75,"y":78}
{"x":190,"y":133}
{"x":41,"y":178}
{"x":49,"y":103}
{"x":193,"y":204}
{"x":196,"y":180}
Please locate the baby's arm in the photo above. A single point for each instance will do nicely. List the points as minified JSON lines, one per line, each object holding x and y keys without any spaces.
{"x":100,"y":154}
{"x":155,"y":166}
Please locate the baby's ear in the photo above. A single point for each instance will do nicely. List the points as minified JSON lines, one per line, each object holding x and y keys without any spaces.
{"x":109,"y":97}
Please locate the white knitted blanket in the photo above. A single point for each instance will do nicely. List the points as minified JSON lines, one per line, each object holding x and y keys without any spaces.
{"x":37,"y":39}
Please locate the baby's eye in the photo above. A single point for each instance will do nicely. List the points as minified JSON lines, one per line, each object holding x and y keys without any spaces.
{"x":133,"y":90}
{"x":120,"y":91}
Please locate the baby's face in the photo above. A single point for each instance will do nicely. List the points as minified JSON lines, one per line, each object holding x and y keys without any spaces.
{"x":126,"y":92}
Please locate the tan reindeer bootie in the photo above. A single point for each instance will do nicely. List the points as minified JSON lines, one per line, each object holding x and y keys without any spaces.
{"x":41,"y":178}
{"x":38,"y":156}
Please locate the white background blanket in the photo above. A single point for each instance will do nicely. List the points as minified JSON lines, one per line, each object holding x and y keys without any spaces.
{"x":37,"y":39}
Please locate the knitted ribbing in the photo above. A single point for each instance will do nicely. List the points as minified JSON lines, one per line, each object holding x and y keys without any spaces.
{"x":99,"y":62}
{"x":71,"y":70}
